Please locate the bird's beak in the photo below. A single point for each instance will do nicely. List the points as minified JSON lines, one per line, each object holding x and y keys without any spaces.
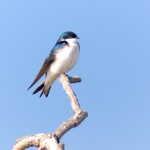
{"x":78,"y":37}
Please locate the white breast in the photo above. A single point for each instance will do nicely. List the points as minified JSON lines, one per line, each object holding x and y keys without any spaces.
{"x":66,"y":58}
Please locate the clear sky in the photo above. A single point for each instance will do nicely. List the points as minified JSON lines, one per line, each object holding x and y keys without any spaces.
{"x":114,"y":65}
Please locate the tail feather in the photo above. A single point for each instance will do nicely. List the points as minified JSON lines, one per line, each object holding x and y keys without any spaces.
{"x":44,"y":91}
{"x":46,"y":85}
{"x":39,"y":88}
{"x":41,"y":93}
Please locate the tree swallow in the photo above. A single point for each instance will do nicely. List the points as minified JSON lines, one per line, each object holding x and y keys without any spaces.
{"x":61,"y":59}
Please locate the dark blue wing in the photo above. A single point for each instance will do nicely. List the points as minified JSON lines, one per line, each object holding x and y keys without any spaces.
{"x":48,"y":61}
{"x":43,"y":69}
{"x":59,"y":45}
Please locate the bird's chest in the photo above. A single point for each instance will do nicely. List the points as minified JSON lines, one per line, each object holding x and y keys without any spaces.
{"x":66,"y":58}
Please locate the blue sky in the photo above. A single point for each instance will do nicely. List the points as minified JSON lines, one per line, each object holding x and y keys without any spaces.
{"x":114,"y":67}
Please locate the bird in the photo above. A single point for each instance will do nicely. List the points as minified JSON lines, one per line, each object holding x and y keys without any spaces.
{"x":61,"y":59}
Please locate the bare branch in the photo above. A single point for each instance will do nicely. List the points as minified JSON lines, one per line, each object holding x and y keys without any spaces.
{"x":74,"y":79}
{"x":71,"y":95}
{"x":71,"y":123}
{"x":52,"y":141}
{"x":80,"y":114}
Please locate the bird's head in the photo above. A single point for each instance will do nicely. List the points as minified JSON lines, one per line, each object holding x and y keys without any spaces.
{"x":68,"y":36}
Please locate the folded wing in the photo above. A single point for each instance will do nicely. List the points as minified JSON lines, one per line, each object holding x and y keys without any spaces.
{"x":43,"y":69}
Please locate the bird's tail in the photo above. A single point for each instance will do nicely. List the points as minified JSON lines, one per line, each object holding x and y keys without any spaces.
{"x":41,"y":87}
{"x":46,"y":85}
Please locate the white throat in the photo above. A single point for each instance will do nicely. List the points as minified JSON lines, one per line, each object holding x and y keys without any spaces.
{"x":72,"y":40}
